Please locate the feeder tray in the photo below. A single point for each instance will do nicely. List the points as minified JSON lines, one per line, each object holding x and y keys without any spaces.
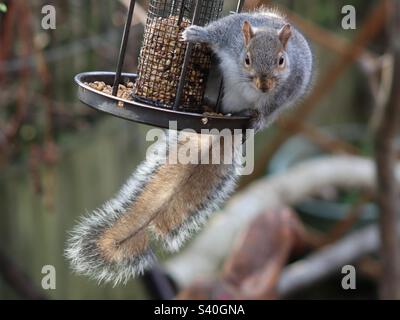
{"x":144,"y":113}
{"x":176,"y":96}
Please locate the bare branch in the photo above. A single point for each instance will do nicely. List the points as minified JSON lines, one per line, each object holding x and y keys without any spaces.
{"x":203,"y":255}
{"x":388,"y":189}
{"x":328,"y":260}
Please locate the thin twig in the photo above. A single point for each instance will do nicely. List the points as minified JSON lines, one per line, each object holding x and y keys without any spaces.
{"x":202,"y":256}
{"x":388,"y":189}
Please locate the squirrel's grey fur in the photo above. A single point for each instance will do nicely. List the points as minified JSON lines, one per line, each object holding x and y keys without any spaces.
{"x":96,"y":247}
{"x":82,"y":249}
{"x":82,"y":246}
{"x":226,"y":39}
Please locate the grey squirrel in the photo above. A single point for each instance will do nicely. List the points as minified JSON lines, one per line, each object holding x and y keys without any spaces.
{"x":266,"y":63}
{"x":267,"y":66}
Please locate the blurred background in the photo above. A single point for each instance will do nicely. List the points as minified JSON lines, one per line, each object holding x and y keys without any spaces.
{"x":60,"y":159}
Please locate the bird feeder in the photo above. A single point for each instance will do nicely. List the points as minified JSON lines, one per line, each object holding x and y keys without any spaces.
{"x":172,"y":75}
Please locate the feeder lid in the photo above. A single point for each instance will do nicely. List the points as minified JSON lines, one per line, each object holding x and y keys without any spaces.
{"x":145,"y":113}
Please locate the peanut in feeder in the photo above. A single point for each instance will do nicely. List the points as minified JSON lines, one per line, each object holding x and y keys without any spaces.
{"x":162,"y":57}
{"x":172,"y":75}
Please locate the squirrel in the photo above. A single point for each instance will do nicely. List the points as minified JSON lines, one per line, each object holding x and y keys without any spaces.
{"x":266,"y":66}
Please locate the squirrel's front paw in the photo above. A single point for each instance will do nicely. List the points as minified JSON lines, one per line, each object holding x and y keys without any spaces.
{"x":193,"y":34}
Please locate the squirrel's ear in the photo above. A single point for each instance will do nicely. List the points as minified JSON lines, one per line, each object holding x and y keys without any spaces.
{"x":285,"y":34}
{"x":248,"y":32}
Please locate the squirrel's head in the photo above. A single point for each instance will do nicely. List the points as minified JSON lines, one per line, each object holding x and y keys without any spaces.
{"x":265,"y":61}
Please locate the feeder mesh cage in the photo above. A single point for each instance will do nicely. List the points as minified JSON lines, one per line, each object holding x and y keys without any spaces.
{"x":162,"y":54}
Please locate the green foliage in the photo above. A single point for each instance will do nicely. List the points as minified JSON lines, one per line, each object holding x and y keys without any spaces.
{"x":3,"y":7}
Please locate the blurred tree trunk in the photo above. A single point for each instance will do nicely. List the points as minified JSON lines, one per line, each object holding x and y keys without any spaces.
{"x":388,"y":192}
{"x":18,"y":280}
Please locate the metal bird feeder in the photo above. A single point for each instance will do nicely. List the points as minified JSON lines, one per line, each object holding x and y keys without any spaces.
{"x":172,"y":75}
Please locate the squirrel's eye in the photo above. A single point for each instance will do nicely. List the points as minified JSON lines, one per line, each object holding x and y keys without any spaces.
{"x":247,"y":60}
{"x":281,"y":61}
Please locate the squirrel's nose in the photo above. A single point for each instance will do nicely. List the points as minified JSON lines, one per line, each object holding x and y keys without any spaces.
{"x":264,"y":84}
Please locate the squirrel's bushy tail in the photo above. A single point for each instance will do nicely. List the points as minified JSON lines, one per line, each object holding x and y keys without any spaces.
{"x":160,"y":201}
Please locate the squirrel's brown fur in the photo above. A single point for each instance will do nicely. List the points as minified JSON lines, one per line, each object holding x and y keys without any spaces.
{"x":173,"y":200}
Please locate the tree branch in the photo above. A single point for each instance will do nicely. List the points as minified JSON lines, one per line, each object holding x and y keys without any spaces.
{"x":203,"y":256}
{"x":328,"y":260}
{"x":387,"y":187}
{"x":18,"y":280}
